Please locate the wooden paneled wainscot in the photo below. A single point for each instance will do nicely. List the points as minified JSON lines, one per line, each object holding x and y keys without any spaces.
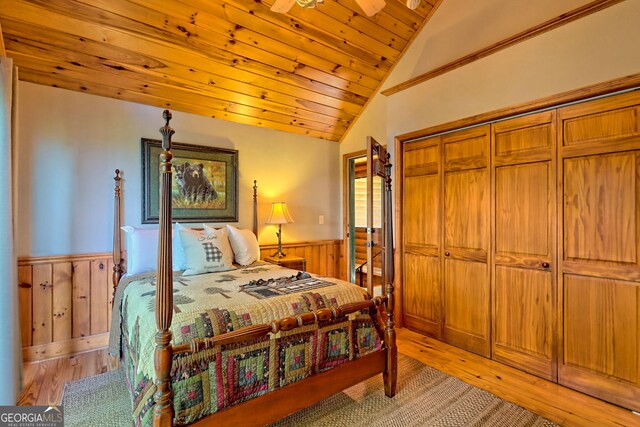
{"x":521,"y":242}
{"x":65,"y":301}
{"x":65,"y":304}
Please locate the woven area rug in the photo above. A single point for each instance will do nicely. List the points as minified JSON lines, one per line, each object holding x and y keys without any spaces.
{"x":426,"y":397}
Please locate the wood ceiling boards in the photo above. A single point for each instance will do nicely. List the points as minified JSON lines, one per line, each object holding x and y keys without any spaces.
{"x":309,"y":71}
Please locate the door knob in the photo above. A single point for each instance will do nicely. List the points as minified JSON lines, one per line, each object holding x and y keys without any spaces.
{"x":545,"y":265}
{"x":447,"y":254}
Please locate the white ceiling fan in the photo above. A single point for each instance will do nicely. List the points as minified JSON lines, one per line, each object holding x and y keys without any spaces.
{"x":370,"y":7}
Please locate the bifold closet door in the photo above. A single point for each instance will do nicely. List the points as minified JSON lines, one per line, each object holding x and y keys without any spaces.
{"x":524,"y":218}
{"x":422,"y":297}
{"x":466,"y":289}
{"x":599,"y":295}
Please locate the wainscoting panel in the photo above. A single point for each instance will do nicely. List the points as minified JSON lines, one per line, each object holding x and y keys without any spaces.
{"x":65,"y":301}
{"x":65,"y":304}
{"x":323,"y":256}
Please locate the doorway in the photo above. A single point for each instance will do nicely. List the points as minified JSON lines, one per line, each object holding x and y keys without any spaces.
{"x":355,"y":220}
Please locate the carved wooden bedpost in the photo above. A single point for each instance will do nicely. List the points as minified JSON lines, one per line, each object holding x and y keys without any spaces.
{"x":391,"y":372}
{"x":255,"y":208}
{"x":163,"y":410}
{"x":117,"y":241}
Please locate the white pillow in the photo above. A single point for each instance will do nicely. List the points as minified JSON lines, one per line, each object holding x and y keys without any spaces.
{"x":179,"y":258}
{"x":245,"y":246}
{"x":206,"y":253}
{"x":142,"y":250}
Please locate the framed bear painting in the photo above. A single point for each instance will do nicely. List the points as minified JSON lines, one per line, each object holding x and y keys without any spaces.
{"x":204,"y":187}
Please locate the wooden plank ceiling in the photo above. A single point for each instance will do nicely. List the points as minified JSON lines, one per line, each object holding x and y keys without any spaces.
{"x":309,"y":72}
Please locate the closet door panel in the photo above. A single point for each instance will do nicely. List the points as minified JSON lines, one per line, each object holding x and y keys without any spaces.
{"x":523,"y":217}
{"x":466,"y":207}
{"x":422,"y":294}
{"x":466,"y":303}
{"x":422,"y":197}
{"x":522,"y":209}
{"x":466,"y":281}
{"x":599,"y":196}
{"x":422,"y":299}
{"x":600,"y":218}
{"x":605,"y":341}
{"x":523,"y":334}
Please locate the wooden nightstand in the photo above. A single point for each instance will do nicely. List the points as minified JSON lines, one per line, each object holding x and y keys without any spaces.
{"x":290,"y":261}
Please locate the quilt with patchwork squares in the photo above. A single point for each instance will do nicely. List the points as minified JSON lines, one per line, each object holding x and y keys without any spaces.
{"x":215,"y":303}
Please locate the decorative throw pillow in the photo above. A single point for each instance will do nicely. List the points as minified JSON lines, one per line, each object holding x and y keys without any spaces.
{"x":245,"y":245}
{"x":142,"y":250}
{"x":206,"y":253}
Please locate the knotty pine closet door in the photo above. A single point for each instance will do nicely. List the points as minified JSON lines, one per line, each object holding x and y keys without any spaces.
{"x":446,"y":238}
{"x":422,"y":293}
{"x":524,"y":215}
{"x":465,"y":199}
{"x":599,"y":244}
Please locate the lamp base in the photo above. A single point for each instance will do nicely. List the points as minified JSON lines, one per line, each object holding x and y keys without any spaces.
{"x":279,"y":254}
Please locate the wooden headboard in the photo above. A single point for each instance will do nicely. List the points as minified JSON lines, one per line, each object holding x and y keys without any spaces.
{"x":118,"y":259}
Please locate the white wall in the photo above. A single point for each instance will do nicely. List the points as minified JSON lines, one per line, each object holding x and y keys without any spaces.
{"x":71,"y":143}
{"x":600,"y":47}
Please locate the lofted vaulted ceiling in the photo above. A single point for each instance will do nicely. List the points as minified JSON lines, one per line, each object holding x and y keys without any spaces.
{"x":309,"y":71}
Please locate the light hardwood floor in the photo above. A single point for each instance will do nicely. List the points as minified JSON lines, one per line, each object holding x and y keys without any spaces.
{"x":44,"y":382}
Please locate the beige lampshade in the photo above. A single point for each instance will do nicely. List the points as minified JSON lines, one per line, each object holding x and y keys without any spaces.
{"x":279,"y":214}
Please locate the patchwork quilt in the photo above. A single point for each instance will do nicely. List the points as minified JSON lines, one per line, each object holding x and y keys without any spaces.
{"x":215,"y":303}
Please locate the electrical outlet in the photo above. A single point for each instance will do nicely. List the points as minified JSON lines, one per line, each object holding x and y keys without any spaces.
{"x":320,"y":219}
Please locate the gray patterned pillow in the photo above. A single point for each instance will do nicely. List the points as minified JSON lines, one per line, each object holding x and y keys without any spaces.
{"x":206,"y":253}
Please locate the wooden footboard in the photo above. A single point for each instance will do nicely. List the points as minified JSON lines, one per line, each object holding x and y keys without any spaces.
{"x":254,"y":332}
{"x":281,"y":402}
{"x":277,"y":404}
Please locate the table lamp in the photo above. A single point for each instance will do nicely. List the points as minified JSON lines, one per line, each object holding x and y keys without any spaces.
{"x":279,"y":215}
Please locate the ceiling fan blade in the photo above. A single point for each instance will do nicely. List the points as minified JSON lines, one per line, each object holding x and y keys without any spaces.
{"x":282,"y":6}
{"x":371,"y":7}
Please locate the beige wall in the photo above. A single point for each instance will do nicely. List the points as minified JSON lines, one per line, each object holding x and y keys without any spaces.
{"x":597,"y":48}
{"x":70,"y":144}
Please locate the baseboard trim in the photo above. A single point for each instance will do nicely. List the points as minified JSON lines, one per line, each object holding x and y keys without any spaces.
{"x":64,"y":348}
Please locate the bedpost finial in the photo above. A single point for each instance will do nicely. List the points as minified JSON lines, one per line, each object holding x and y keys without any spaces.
{"x":166,"y":131}
{"x":166,"y":114}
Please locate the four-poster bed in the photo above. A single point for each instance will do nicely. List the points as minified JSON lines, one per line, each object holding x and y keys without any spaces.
{"x":260,"y":356}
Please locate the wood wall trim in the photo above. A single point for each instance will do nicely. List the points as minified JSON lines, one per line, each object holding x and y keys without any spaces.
{"x":630,"y":82}
{"x":549,"y":25}
{"x":3,"y":51}
{"x":307,"y":243}
{"x":64,"y":348}
{"x":27,"y":260}
{"x":398,"y":231}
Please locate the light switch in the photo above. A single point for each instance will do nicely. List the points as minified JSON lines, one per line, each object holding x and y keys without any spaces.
{"x":321,"y":219}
